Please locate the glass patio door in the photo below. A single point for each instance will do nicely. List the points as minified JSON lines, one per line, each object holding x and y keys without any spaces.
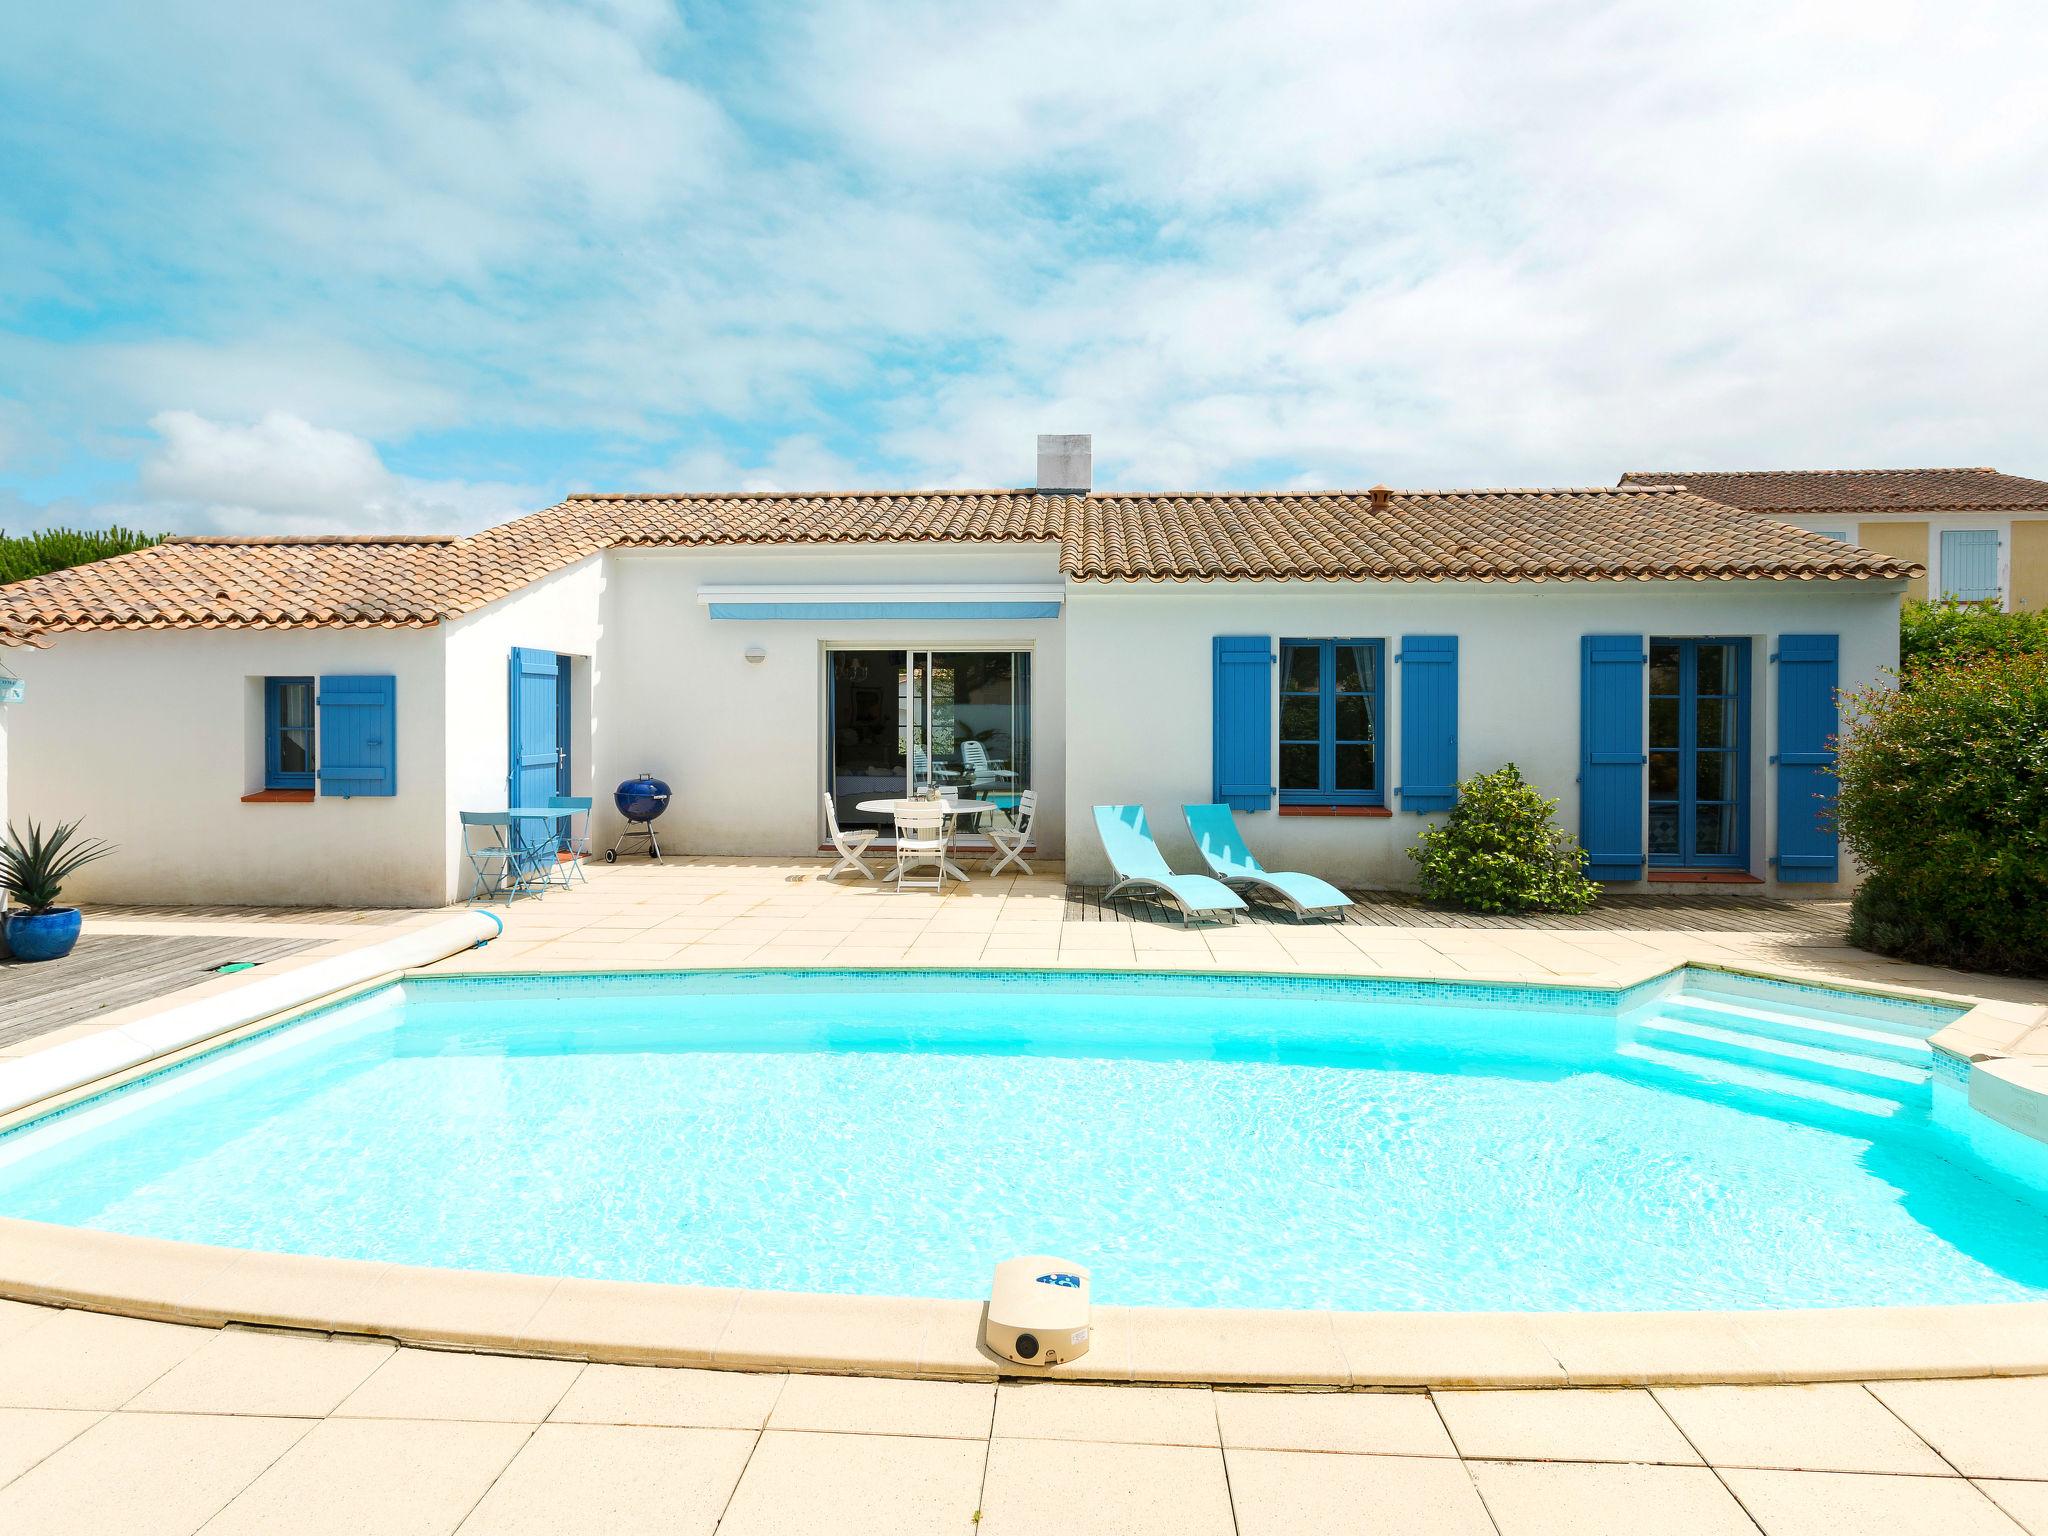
{"x":1699,"y":762}
{"x":903,"y":719}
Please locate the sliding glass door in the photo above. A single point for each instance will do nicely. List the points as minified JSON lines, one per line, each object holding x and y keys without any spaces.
{"x":899,"y":720}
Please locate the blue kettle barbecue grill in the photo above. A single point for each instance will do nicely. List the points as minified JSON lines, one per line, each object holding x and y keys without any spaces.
{"x":640,"y":800}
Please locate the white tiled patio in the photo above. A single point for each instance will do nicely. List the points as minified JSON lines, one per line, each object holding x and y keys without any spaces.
{"x":697,"y":912}
{"x":111,"y":1425}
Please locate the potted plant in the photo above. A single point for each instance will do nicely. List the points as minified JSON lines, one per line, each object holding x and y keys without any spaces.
{"x":33,"y":869}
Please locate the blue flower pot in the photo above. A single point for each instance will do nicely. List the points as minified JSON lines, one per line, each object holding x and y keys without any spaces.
{"x":43,"y":935}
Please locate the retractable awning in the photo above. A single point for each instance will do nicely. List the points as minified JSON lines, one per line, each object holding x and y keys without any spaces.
{"x":928,"y":600}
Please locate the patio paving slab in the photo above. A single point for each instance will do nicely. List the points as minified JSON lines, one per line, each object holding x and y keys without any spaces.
{"x":1053,"y":1410}
{"x":443,"y":1384}
{"x":1833,"y":1427}
{"x":840,"y":1485}
{"x":1361,"y":1423}
{"x":1983,"y":1428}
{"x":1090,"y":1489}
{"x":144,"y":1474}
{"x":276,"y":1375}
{"x":599,"y":1480}
{"x":674,"y":1397}
{"x":876,"y":1405}
{"x":27,"y":1435}
{"x":1284,"y":1493}
{"x":1551,"y":1498}
{"x":1852,"y":1503}
{"x":2026,"y":1503}
{"x":88,"y":1360}
{"x":1625,"y":1425}
{"x":372,"y":1477}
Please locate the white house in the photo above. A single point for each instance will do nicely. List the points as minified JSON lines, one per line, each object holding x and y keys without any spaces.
{"x":300,"y":720}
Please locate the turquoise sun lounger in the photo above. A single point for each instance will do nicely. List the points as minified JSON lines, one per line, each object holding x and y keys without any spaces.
{"x":1136,"y":859}
{"x":1230,"y":861}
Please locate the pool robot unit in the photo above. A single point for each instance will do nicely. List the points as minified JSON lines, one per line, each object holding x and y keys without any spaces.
{"x":1038,"y":1310}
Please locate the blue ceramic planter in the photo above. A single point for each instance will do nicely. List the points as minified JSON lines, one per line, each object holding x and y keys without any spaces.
{"x":43,"y":935}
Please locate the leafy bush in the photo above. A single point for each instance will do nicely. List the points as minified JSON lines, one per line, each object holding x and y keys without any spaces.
{"x":1498,"y":851}
{"x":34,"y":867}
{"x":1953,"y":630}
{"x":1944,"y":801}
{"x":55,"y":549}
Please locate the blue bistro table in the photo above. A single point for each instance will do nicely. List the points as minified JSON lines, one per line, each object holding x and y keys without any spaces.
{"x":523,"y":859}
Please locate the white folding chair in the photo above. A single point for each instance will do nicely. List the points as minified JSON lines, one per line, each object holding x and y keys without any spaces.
{"x":1011,"y":841}
{"x":851,"y":845}
{"x":980,"y":770}
{"x":921,"y":840}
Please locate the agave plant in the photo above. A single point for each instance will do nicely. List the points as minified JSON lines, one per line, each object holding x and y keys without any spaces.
{"x":33,"y":868}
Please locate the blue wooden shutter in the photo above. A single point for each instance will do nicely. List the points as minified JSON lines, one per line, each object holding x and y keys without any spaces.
{"x":358,"y":736}
{"x":1429,"y":722}
{"x":1611,"y":784}
{"x":1808,"y":672}
{"x":1244,"y":722}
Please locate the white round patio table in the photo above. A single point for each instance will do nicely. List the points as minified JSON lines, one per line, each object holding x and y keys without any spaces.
{"x":954,"y":809}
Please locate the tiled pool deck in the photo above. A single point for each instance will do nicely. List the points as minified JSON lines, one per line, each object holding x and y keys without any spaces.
{"x":114,"y":1424}
{"x":110,"y":1425}
{"x":693,"y":913}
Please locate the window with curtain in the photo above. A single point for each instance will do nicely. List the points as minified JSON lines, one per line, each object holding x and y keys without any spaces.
{"x":288,"y":733}
{"x":1330,"y":694}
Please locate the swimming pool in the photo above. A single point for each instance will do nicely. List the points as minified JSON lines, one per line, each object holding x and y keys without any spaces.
{"x":1200,"y":1141}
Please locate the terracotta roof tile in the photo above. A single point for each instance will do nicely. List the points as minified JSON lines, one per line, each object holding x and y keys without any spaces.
{"x":1857,"y":490}
{"x":1599,"y":534}
{"x":1602,"y":534}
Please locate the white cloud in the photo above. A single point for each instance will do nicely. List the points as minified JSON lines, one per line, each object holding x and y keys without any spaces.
{"x":889,"y":240}
{"x":282,"y":474}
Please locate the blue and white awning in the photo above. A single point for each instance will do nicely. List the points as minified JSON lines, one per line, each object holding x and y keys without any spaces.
{"x":930,"y":600}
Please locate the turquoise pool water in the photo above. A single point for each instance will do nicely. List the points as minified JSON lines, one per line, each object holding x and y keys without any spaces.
{"x":1204,"y":1141}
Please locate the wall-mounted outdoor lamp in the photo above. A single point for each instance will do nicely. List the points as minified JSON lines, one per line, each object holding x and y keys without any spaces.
{"x":757,"y":653}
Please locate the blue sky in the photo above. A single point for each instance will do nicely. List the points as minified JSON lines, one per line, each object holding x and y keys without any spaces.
{"x":414,"y":266}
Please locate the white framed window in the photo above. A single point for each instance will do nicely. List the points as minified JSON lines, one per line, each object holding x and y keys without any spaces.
{"x":1839,"y":535}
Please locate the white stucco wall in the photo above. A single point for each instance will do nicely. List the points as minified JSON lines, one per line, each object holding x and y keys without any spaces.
{"x":153,"y":737}
{"x":743,"y":743}
{"x":558,"y":613}
{"x":1139,"y":694}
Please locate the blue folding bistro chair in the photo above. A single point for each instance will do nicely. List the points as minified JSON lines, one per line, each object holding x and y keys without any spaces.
{"x":505,"y":869}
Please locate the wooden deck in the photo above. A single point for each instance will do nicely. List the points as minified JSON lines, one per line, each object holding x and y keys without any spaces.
{"x":109,"y":971}
{"x":1396,"y":909}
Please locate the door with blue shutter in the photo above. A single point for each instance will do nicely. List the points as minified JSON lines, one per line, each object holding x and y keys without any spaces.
{"x":1243,"y":722}
{"x":1809,"y":668}
{"x":1429,"y":722}
{"x":358,"y":752}
{"x":539,"y":745}
{"x":1611,"y":759}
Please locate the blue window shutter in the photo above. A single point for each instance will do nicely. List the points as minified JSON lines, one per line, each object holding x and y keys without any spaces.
{"x":1809,"y":669}
{"x":358,"y":736}
{"x":1244,"y":722}
{"x":1969,"y":564}
{"x":1612,"y":789}
{"x":1429,"y":722}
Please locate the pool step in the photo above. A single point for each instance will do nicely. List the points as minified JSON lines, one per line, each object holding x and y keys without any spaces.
{"x":1693,"y":1066}
{"x":1844,"y":1068}
{"x":1871,"y":1037}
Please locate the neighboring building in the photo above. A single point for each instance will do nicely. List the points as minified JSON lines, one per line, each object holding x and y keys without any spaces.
{"x":1980,"y":534}
{"x":299,"y":720}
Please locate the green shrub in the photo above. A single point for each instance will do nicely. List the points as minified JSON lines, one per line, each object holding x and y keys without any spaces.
{"x":1944,"y":801}
{"x":1498,"y":851}
{"x":55,"y":549}
{"x":1953,"y":630}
